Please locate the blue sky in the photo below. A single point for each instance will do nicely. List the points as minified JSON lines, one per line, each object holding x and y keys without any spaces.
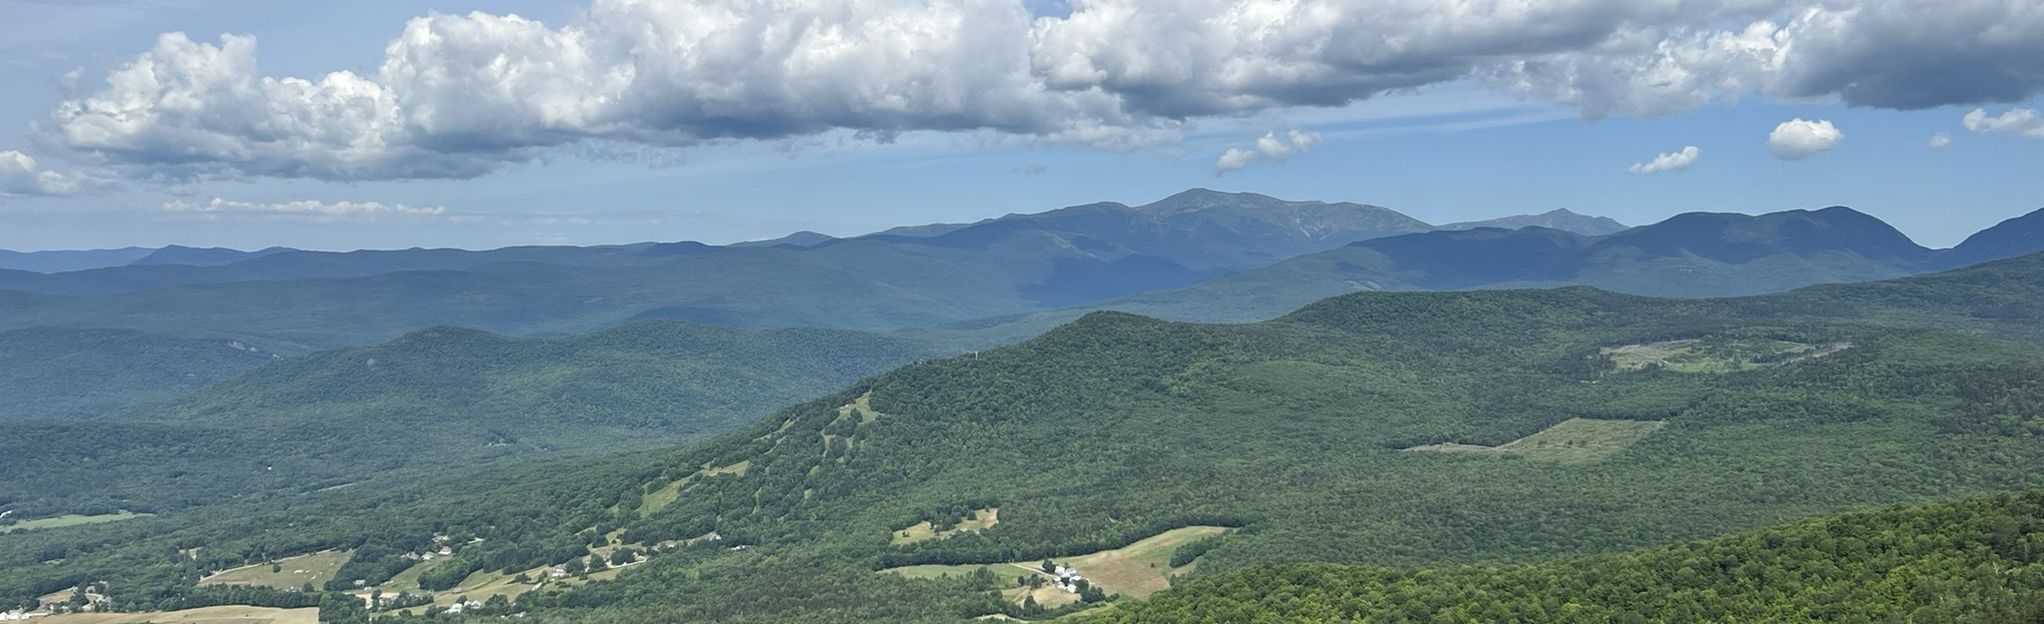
{"x":1447,"y":147}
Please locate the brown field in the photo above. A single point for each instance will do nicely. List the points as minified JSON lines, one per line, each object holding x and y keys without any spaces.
{"x":231,"y":614}
{"x":1136,"y":570}
{"x":316,"y":568}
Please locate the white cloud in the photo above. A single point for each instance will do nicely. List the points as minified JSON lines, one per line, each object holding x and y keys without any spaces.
{"x":21,"y":176}
{"x":2018,"y":122}
{"x":1273,"y":146}
{"x":461,"y":95}
{"x":1668,"y":161}
{"x":1797,"y":139}
{"x":1940,"y":141}
{"x":304,"y":209}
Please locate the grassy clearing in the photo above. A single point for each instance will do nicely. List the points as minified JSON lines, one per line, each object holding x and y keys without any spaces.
{"x":1715,"y":355}
{"x":406,"y":581}
{"x":1136,"y":570}
{"x":230,"y":614}
{"x":486,"y":583}
{"x":656,"y":500}
{"x":1573,"y":440}
{"x":922,"y":531}
{"x":733,"y":469}
{"x":659,"y":499}
{"x":70,"y":520}
{"x":1142,"y":568}
{"x":291,"y":572}
{"x":863,"y":406}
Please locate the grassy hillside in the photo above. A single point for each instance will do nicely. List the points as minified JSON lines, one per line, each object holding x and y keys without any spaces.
{"x":1977,"y":560}
{"x":431,"y":400}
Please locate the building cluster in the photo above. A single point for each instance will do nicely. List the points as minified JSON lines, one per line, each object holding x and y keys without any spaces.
{"x":1066,"y":578}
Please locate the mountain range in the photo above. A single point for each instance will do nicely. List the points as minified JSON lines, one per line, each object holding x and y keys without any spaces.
{"x":1197,"y":255}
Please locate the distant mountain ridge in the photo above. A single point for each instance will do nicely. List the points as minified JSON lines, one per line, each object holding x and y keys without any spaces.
{"x":1688,"y":255}
{"x":1196,"y":255}
{"x":59,"y":261}
{"x":1557,"y":219}
{"x":203,"y":256}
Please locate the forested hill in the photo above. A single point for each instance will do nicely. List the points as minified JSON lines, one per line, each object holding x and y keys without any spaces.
{"x":1976,"y":560}
{"x":438,"y":399}
{"x":1413,"y":429}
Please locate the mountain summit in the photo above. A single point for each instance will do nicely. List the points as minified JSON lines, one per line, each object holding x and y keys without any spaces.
{"x":1558,"y":219}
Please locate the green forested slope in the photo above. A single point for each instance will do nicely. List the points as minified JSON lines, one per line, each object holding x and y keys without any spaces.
{"x":1118,"y":427}
{"x":431,"y":400}
{"x":52,"y":373}
{"x":1976,"y":560}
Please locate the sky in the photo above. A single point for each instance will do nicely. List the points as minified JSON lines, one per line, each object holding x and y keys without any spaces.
{"x":477,"y":124}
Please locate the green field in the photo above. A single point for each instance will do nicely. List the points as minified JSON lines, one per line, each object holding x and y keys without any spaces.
{"x":1572,"y":440}
{"x":288,"y":573}
{"x":1135,"y":570}
{"x":70,"y":520}
{"x":981,"y":520}
{"x":1715,"y":355}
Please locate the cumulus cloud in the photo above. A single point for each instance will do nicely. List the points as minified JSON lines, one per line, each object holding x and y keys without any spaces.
{"x":461,"y":95}
{"x":21,"y":176}
{"x":1940,"y":141}
{"x":2018,"y":122}
{"x":1273,"y":146}
{"x":1668,"y":161}
{"x":1797,"y":139}
{"x":305,"y":209}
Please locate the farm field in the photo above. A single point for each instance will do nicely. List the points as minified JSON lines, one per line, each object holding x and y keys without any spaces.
{"x":70,"y":520}
{"x":230,"y":614}
{"x":981,"y":520}
{"x":1572,"y":440}
{"x":477,"y":586}
{"x":316,"y":569}
{"x":1715,"y":356}
{"x":1136,"y":570}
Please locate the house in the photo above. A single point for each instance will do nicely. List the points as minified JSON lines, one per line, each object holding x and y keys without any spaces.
{"x":463,"y":606}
